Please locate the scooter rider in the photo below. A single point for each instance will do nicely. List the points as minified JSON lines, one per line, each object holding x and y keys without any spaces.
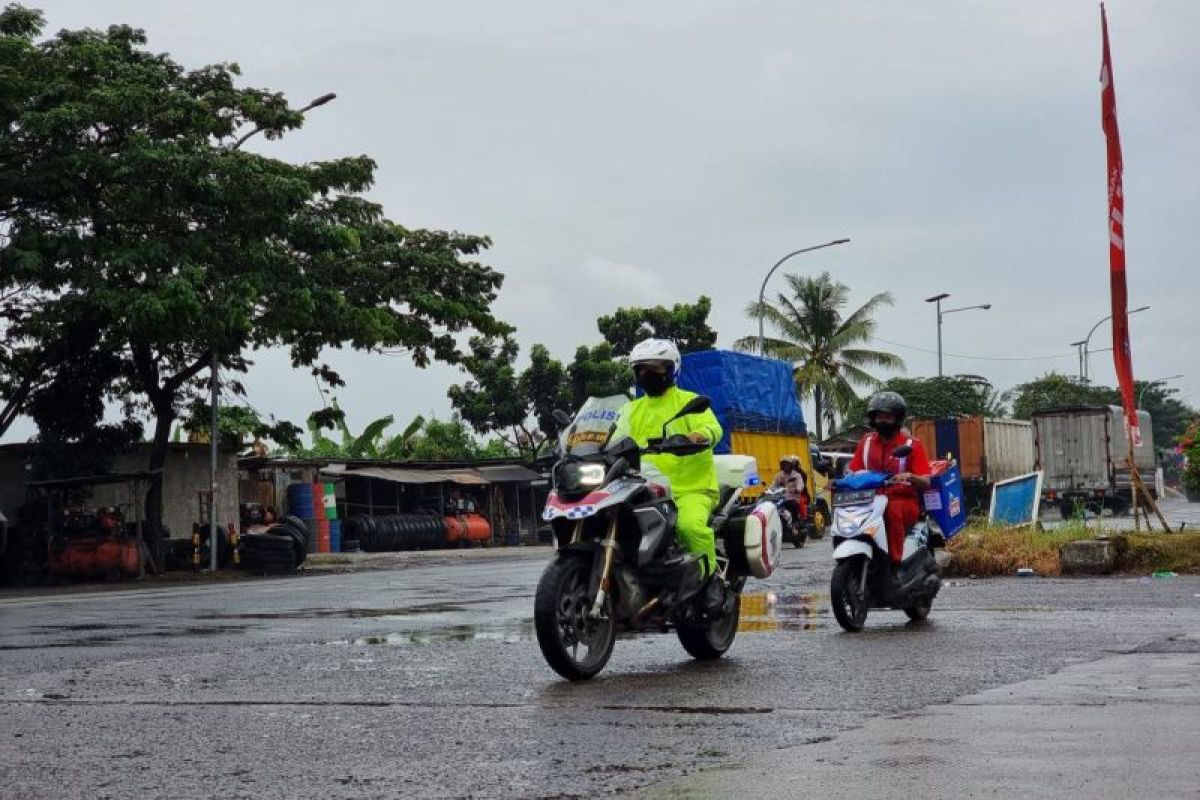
{"x":794,"y":482}
{"x":656,"y":364}
{"x":885,"y":414}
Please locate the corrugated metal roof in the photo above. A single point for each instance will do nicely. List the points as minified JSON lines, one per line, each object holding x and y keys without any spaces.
{"x":468,"y":477}
{"x":510,"y":473}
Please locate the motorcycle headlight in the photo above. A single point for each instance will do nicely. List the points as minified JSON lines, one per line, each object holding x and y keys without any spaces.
{"x":577,"y":476}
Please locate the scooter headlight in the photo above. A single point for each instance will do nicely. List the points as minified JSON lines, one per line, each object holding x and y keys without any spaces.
{"x":574,"y":477}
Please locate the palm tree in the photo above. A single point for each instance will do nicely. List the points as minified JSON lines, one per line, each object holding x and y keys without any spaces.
{"x":825,"y":349}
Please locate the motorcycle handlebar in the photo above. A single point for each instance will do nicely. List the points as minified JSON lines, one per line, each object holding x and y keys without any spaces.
{"x":675,"y":446}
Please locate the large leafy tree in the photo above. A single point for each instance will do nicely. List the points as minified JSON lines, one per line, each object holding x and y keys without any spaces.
{"x":828,"y":349}
{"x":1169,"y":416}
{"x":685,"y":324}
{"x":945,"y":396}
{"x":595,"y":372}
{"x":124,"y":187}
{"x":516,"y":406}
{"x":1053,"y":390}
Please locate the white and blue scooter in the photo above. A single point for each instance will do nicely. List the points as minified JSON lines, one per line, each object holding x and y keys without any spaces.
{"x":864,"y":577}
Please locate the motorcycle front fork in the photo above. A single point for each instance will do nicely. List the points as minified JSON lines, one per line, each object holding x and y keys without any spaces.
{"x":610,"y":550}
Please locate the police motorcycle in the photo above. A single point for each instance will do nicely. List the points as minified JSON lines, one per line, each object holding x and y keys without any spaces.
{"x":864,"y":576}
{"x":617,"y":565}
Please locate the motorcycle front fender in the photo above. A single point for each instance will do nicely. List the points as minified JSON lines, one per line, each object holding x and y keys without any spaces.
{"x":851,"y":548}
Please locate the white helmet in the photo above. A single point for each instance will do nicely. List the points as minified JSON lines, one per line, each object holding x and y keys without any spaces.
{"x":655,"y":350}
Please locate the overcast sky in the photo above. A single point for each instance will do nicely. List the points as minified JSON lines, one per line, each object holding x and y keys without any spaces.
{"x":630,"y":153}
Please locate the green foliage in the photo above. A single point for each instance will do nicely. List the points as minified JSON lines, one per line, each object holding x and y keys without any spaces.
{"x":123,"y":190}
{"x":595,"y":372}
{"x":442,"y":441}
{"x":1168,"y":414}
{"x":947,"y":396}
{"x":826,"y":347}
{"x":685,"y":324}
{"x":1058,"y":391}
{"x":544,"y":385}
{"x":371,"y":443}
{"x":237,"y":424}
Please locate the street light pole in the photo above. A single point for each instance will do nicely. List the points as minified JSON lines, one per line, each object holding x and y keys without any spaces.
{"x":763,"y":289}
{"x":214,"y":435}
{"x":937,"y":299}
{"x":1079,"y":347}
{"x":1087,"y":364}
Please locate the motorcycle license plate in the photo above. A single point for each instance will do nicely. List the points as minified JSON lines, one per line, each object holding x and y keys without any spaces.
{"x":861,"y":497}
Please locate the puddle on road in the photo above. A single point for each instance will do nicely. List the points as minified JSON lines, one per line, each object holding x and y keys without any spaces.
{"x":764,"y":612}
{"x":118,"y":634}
{"x":511,"y":633}
{"x":761,"y":612}
{"x":347,"y":613}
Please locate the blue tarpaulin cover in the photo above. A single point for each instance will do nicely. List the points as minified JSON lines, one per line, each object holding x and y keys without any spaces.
{"x":748,"y":393}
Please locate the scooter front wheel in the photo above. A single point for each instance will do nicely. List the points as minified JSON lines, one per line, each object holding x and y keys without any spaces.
{"x":849,"y":594}
{"x":574,"y":643}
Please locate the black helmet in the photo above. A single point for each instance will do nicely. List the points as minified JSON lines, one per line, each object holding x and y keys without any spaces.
{"x":889,"y":402}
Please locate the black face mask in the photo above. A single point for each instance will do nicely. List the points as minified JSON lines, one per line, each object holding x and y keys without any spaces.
{"x":886,"y":429}
{"x":654,"y":383}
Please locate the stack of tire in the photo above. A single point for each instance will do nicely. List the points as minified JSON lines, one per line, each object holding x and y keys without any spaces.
{"x":280,"y":550}
{"x":396,"y":532}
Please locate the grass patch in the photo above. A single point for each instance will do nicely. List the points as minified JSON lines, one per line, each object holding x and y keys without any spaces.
{"x":984,"y":552}
{"x":1144,"y":553}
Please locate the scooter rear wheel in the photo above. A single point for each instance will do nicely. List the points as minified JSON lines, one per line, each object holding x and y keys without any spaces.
{"x":849,"y":595}
{"x":920,"y":611}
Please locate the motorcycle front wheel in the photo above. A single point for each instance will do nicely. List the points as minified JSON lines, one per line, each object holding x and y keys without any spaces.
{"x":712,"y":639}
{"x":849,"y":595}
{"x":575,"y":644}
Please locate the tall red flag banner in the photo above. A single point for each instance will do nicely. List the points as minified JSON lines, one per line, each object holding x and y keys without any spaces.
{"x":1122,"y":355}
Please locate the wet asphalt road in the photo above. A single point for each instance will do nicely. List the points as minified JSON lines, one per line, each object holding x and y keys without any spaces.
{"x":424,"y":682}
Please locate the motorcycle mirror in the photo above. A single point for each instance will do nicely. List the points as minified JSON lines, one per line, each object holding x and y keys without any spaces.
{"x":903,"y":451}
{"x":697,"y":405}
{"x":561,"y":417}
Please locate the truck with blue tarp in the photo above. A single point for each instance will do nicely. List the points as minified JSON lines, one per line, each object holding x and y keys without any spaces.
{"x":755,"y":401}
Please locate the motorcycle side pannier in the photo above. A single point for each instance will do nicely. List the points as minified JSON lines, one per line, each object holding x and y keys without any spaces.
{"x":753,"y":537}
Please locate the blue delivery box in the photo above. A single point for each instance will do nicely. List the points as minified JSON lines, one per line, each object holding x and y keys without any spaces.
{"x":944,"y":500}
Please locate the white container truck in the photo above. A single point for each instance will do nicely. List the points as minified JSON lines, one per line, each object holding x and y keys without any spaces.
{"x":1084,"y":455}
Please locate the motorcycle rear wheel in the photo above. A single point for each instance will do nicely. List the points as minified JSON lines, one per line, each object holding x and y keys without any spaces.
{"x":563,"y":622}
{"x":713,"y":639}
{"x":850,"y":601}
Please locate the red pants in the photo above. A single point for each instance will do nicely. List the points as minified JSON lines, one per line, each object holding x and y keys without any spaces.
{"x":903,"y":511}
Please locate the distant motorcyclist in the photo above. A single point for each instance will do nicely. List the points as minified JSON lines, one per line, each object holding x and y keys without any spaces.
{"x":885,"y":414}
{"x":656,"y":365}
{"x":794,"y":482}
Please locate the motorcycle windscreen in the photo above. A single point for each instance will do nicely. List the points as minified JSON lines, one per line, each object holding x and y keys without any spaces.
{"x":593,"y":422}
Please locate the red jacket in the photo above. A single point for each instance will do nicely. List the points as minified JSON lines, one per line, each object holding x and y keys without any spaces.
{"x":875,"y":454}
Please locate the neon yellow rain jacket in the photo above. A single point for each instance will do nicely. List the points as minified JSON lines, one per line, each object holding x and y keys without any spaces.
{"x":643,"y":419}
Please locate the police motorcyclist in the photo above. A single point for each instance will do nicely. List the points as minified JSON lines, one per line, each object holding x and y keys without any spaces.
{"x":656,"y":364}
{"x":909,"y":474}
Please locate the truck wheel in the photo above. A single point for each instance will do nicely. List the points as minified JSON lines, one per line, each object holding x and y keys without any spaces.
{"x":1065,"y":510}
